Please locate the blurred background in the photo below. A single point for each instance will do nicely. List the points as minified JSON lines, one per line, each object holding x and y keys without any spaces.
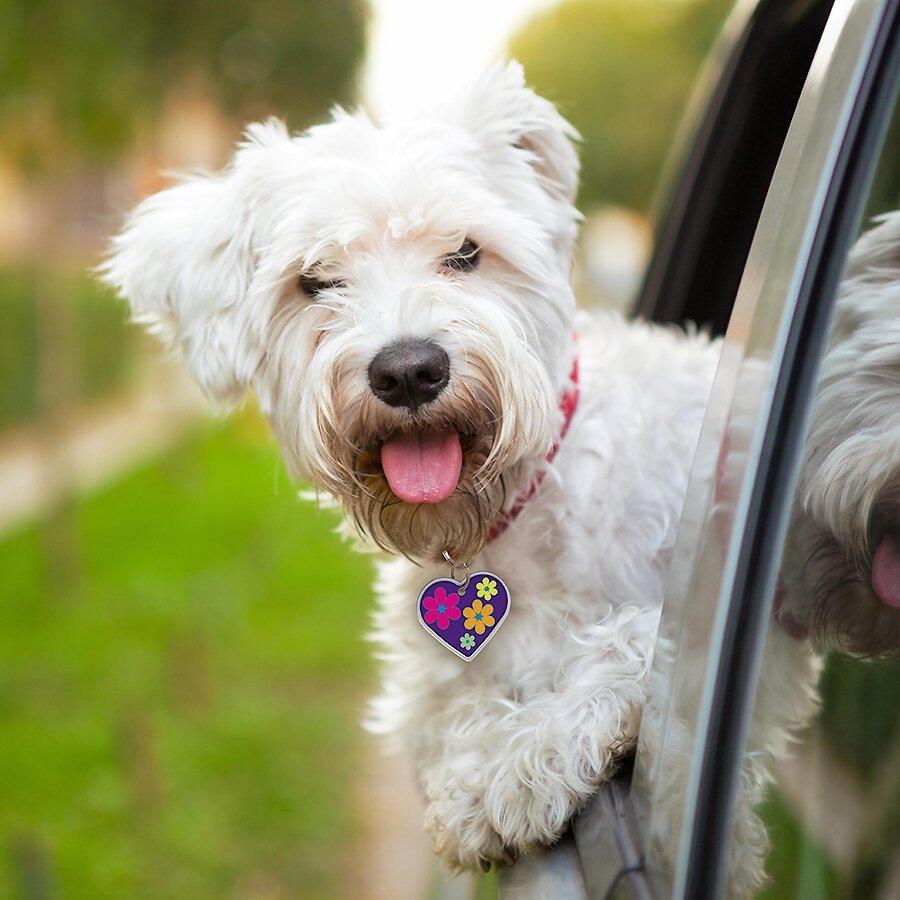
{"x":182,"y":669}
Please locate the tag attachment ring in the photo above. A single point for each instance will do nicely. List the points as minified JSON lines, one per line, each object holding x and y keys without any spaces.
{"x":454,"y":568}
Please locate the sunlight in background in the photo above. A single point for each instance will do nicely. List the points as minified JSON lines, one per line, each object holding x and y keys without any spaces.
{"x":421,"y":49}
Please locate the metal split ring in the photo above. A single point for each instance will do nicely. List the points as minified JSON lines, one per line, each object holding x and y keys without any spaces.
{"x":454,"y":568}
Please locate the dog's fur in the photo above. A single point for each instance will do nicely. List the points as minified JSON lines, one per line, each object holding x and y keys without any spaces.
{"x":848,"y":501}
{"x":511,"y":744}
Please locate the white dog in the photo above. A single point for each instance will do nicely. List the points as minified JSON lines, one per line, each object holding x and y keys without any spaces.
{"x":398,"y":299}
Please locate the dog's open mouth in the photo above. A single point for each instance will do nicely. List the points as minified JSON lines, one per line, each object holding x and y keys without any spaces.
{"x":423,"y":466}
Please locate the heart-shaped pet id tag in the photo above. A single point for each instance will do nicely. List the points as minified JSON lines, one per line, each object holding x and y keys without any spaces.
{"x":464,"y":615}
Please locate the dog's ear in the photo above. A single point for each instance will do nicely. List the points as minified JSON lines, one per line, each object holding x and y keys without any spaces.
{"x":503,"y":112}
{"x":185,"y":261}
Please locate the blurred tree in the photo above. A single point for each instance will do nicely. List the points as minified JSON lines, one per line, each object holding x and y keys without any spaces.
{"x":621,"y":72}
{"x":78,"y":77}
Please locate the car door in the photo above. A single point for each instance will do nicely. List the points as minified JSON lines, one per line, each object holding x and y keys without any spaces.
{"x":717,"y":619}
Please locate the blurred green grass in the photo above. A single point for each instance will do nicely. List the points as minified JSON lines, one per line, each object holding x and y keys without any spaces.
{"x":180,"y":718}
{"x":797,"y":865}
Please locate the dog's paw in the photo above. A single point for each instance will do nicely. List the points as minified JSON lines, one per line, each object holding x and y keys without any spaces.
{"x":461,"y":831}
{"x":529,"y":813}
{"x":498,"y":822}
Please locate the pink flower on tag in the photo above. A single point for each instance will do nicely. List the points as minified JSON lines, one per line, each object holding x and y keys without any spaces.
{"x":441,"y":608}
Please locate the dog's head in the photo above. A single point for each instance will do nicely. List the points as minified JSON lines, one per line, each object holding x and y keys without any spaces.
{"x":397,"y":297}
{"x":842,"y":563}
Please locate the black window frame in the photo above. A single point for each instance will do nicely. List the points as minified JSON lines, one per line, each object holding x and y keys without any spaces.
{"x":704,"y":237}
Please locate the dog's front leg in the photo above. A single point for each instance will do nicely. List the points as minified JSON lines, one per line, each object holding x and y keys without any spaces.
{"x":504,"y":772}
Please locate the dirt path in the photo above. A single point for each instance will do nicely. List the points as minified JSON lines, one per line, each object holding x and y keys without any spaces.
{"x":102,"y":442}
{"x":392,"y":858}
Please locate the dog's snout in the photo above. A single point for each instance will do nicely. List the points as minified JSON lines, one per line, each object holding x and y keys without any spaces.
{"x":409,"y":373}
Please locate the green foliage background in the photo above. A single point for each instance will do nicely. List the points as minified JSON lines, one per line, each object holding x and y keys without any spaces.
{"x":78,"y":78}
{"x":181,"y":665}
{"x":106,"y":350}
{"x":621,"y":73}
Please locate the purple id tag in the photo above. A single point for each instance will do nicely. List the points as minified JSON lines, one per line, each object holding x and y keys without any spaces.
{"x":465,"y":615}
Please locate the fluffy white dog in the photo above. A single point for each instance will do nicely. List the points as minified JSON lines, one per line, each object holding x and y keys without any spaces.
{"x":398,"y":299}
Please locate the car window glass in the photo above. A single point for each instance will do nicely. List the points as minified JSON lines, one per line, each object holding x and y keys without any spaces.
{"x":832,"y":815}
{"x":789,"y":273}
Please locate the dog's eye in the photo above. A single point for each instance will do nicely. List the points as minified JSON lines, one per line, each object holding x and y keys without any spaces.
{"x":465,"y":259}
{"x":313,"y":286}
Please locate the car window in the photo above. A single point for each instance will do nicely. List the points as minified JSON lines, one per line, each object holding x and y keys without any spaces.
{"x":747,"y":97}
{"x":831,"y":813}
{"x":698,"y":775}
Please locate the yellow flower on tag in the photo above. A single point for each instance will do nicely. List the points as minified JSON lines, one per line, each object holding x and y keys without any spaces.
{"x":486,"y":588}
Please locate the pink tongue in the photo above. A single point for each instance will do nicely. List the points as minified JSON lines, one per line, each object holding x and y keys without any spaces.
{"x":423,"y":468}
{"x":886,"y":572}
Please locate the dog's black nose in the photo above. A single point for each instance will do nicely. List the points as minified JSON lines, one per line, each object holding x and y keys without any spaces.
{"x":409,"y":373}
